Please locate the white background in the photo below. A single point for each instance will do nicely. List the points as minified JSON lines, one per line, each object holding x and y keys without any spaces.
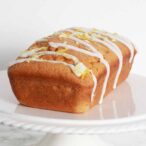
{"x":24,"y":21}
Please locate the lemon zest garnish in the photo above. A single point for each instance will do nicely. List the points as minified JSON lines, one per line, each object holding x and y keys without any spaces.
{"x":113,"y":40}
{"x":24,"y":51}
{"x":34,"y":56}
{"x":56,"y":33}
{"x":79,"y":29}
{"x":62,"y":50}
{"x":43,"y":48}
{"x":65,"y":42}
{"x":80,"y":69}
{"x":85,"y":73}
{"x":64,"y":35}
{"x":45,"y":39}
{"x":32,"y":52}
{"x":93,"y":30}
{"x":83,"y":36}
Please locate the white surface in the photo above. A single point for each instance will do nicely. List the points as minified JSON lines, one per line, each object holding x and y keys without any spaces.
{"x":17,"y":137}
{"x":123,"y":110}
{"x":10,"y":136}
{"x":23,"y":22}
{"x":72,"y":140}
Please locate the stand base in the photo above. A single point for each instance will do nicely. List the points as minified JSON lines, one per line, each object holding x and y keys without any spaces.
{"x":72,"y":140}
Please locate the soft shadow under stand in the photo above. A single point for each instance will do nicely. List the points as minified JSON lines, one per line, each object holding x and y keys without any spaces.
{"x":122,"y":111}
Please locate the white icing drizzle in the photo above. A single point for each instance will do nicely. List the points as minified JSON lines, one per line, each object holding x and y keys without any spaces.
{"x":109,"y":45}
{"x":100,"y":56}
{"x":90,"y":50}
{"x":117,"y":37}
{"x":58,"y":62}
{"x":102,"y":60}
{"x":78,"y":69}
{"x":68,"y":56}
{"x":95,"y":54}
{"x":124,"y":41}
{"x":70,"y":47}
{"x":118,"y":52}
{"x":31,"y":52}
{"x":43,"y":39}
{"x":41,"y":60}
{"x":94,"y":86}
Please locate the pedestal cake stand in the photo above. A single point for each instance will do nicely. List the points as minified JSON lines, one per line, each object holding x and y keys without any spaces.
{"x":124,"y":110}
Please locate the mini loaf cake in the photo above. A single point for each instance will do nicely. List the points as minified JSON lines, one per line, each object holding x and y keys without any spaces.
{"x":71,"y":70}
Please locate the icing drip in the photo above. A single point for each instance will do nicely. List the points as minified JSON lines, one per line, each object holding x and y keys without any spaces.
{"x":31,"y":52}
{"x":82,"y":36}
{"x":117,"y":51}
{"x":102,"y":60}
{"x":124,"y":41}
{"x":70,"y":47}
{"x":94,"y":36}
{"x":77,"y":63}
{"x":68,"y":56}
{"x":41,"y":60}
{"x":79,"y":68}
{"x":97,"y":54}
{"x":94,"y":87}
{"x":121,"y":39}
{"x":117,"y":37}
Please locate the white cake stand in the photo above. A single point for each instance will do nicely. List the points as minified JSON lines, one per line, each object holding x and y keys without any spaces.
{"x":122,"y":111}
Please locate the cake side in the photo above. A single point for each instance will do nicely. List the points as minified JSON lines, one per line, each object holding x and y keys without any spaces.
{"x":70,"y":87}
{"x":123,"y":76}
{"x":43,"y":85}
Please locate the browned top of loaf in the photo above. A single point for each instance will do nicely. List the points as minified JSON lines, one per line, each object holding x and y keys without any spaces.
{"x":63,"y":71}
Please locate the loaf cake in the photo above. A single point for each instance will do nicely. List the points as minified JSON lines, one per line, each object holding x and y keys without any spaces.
{"x":71,"y":70}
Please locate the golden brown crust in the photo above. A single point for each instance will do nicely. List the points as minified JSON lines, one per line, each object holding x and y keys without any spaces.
{"x":48,"y":86}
